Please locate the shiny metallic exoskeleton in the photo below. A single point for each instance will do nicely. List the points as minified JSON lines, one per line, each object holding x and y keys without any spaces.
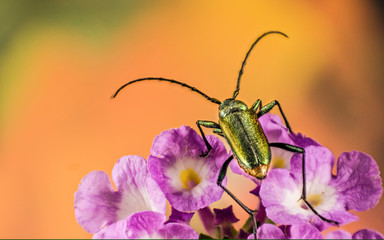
{"x":242,"y":130}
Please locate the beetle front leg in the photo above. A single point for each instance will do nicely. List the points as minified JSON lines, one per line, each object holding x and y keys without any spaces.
{"x":296,"y":149}
{"x":256,"y":105}
{"x":222,"y":174}
{"x":218,"y":131}
{"x":268,"y":108}
{"x":208,"y":124}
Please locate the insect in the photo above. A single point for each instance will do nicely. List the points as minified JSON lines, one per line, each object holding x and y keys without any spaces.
{"x":240,"y":126}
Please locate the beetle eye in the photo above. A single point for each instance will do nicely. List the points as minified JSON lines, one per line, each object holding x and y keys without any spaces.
{"x":243,"y":107}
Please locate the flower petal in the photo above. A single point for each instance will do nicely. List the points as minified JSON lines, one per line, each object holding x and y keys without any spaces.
{"x":180,"y":217}
{"x":188,"y":180}
{"x":146,"y":225}
{"x":96,"y":202}
{"x":304,"y":231}
{"x":172,"y":143}
{"x":320,"y":184}
{"x":139,"y":225}
{"x":224,"y":216}
{"x":367,"y":234}
{"x":274,"y":128}
{"x":261,"y":215}
{"x":268,"y":231}
{"x":339,"y":234}
{"x":206,"y":217}
{"x":243,"y":234}
{"x":358,"y":179}
{"x":281,"y":192}
{"x":112,"y":231}
{"x":318,"y":164}
{"x":298,"y":139}
{"x":138,"y":190}
{"x":276,"y":131}
{"x":179,"y":231}
{"x":235,"y":167}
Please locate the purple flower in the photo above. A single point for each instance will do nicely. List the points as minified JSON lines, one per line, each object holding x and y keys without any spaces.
{"x":339,"y":234}
{"x":308,"y":231}
{"x":225,"y":217}
{"x":243,"y":234}
{"x":304,"y":231}
{"x":206,"y":216}
{"x":235,"y":167}
{"x":145,"y":225}
{"x":187,"y":179}
{"x":268,"y":231}
{"x":98,"y":205}
{"x":261,"y":214}
{"x":358,"y":180}
{"x":274,"y":128}
{"x":296,"y":231}
{"x":276,"y":131}
{"x":356,"y":186}
{"x":367,"y":234}
{"x":180,"y":217}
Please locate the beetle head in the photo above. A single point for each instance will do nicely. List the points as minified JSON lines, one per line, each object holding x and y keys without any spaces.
{"x":230,"y":106}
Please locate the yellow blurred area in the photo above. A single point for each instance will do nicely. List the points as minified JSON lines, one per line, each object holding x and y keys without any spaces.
{"x":60,"y":62}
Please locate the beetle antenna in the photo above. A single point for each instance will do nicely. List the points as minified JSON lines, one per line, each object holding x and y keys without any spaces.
{"x":214,"y":100}
{"x":245,"y":60}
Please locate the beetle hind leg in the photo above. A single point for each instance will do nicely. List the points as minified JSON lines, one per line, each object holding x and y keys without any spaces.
{"x":222,"y":174}
{"x":296,"y":149}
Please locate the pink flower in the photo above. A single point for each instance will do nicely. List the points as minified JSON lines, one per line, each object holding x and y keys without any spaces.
{"x":98,"y":205}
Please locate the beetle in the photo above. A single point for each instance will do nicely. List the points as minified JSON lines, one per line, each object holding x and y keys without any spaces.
{"x":240,"y":126}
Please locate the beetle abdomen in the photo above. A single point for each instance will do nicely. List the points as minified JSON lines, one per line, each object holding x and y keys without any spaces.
{"x":247,"y":140}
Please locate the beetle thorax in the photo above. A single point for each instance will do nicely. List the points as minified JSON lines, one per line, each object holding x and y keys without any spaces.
{"x":230,"y":105}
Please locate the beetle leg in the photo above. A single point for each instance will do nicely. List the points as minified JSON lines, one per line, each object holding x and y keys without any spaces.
{"x":207,"y":124}
{"x":223,"y":172}
{"x":256,"y":105}
{"x":218,"y":131}
{"x":268,"y":108}
{"x":296,"y":149}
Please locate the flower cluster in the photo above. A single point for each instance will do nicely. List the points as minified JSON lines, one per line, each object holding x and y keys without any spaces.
{"x":175,"y":171}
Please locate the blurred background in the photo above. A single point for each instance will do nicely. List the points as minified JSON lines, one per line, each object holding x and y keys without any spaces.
{"x":60,"y":62}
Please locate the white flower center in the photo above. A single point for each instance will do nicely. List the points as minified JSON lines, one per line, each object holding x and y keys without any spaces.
{"x":133,"y":200}
{"x":280,"y":158}
{"x":188,"y":174}
{"x":320,"y":195}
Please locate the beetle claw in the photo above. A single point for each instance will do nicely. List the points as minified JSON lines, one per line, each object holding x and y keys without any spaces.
{"x":205,"y":154}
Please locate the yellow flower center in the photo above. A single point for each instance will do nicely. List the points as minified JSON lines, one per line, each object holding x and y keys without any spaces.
{"x":314,"y":200}
{"x":189,"y":178}
{"x":278,"y":162}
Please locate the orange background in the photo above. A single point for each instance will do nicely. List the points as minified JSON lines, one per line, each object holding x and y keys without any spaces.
{"x":60,"y":61}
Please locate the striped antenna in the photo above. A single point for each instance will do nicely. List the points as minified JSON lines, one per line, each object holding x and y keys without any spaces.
{"x":214,"y":100}
{"x":236,"y":92}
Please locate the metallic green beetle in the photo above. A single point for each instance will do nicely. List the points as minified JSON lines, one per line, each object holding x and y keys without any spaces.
{"x":240,"y":126}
